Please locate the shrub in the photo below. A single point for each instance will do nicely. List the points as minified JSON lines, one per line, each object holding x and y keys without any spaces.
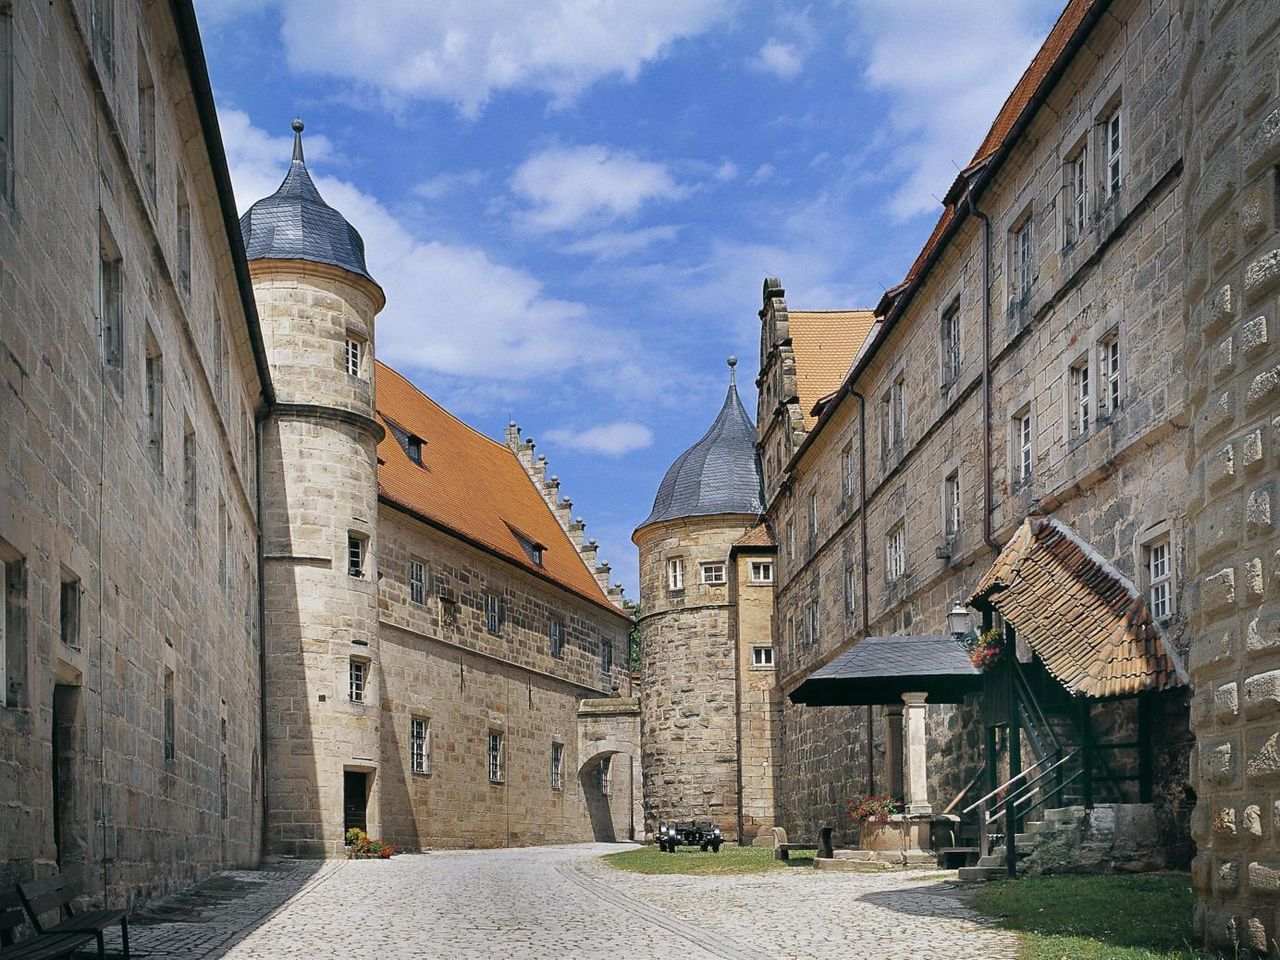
{"x":361,"y":846}
{"x":871,"y":807}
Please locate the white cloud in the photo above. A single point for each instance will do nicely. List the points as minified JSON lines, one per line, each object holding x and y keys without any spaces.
{"x":464,"y":51}
{"x":783,"y":60}
{"x":613,"y":245}
{"x":726,"y":171}
{"x":762,"y":173}
{"x":571,"y":187}
{"x":450,"y":308}
{"x":447,"y":184}
{"x":945,"y":68}
{"x":610,"y":439}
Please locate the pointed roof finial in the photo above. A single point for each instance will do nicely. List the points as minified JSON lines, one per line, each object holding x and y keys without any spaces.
{"x":298,"y":126}
{"x":733,"y":374}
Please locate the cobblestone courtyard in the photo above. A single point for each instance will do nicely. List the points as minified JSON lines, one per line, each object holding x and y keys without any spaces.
{"x":550,"y":902}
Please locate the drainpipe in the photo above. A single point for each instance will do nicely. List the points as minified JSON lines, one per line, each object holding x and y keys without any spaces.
{"x":258,"y":422}
{"x":866,"y":568}
{"x":987,"y":495}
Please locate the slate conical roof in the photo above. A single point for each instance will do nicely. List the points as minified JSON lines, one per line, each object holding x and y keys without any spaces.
{"x":295,"y":223}
{"x":718,"y":474}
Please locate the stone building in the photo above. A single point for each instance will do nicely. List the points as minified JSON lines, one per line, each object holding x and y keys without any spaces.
{"x":709,"y":695}
{"x":133,"y":381}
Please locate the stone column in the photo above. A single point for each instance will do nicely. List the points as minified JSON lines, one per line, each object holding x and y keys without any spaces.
{"x":893,"y":749}
{"x":917,"y":751}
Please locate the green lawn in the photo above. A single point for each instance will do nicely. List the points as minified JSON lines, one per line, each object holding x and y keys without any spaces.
{"x":691,"y":861}
{"x":1143,"y":917}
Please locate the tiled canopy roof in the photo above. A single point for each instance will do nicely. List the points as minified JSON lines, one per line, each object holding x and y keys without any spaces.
{"x":824,"y":344}
{"x":718,"y":474}
{"x":758,"y":536}
{"x":295,"y":223}
{"x":1084,"y":618}
{"x":879,"y":670}
{"x":472,"y":486}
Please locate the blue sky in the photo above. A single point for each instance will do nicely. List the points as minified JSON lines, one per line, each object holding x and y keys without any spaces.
{"x":572,"y":204}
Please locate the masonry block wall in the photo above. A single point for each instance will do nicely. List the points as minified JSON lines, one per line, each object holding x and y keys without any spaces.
{"x":759,"y":707}
{"x":1231,"y":141}
{"x":129,"y":711}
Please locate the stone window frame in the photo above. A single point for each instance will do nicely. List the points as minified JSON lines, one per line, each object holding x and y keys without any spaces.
{"x":555,"y":636}
{"x":950,"y":345}
{"x":850,"y":590}
{"x":1113,"y":157}
{"x":1021,"y":270}
{"x":153,"y":397}
{"x":813,"y":517}
{"x":762,"y":658}
{"x":420,"y":745}
{"x":357,"y":555}
{"x":713,"y":573}
{"x":895,"y":551}
{"x":493,"y":613}
{"x":1022,"y":446}
{"x":146,"y":121}
{"x":359,"y":679}
{"x":557,"y":765}
{"x":13,"y":628}
{"x":111,"y":310}
{"x":70,"y":593}
{"x":1157,"y":535}
{"x":675,"y":574}
{"x":1110,"y":360}
{"x":190,"y":472}
{"x":847,"y":472}
{"x":761,"y":573}
{"x":1078,"y":396}
{"x":813,"y":632}
{"x":182,"y":230}
{"x":603,"y":773}
{"x":7,"y":95}
{"x":494,"y":754}
{"x":417,"y":581}
{"x":606,"y":656}
{"x":952,"y":505}
{"x":168,"y":689}
{"x":353,"y":355}
{"x":1077,"y":192}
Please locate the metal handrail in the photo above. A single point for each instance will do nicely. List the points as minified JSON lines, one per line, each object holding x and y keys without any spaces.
{"x":1004,"y":786}
{"x":1030,"y":787}
{"x":967,"y":787}
{"x":1029,"y":698}
{"x":1026,"y":796}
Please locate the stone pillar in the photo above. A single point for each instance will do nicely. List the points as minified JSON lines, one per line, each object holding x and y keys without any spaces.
{"x":1231,"y":152}
{"x":917,"y":756}
{"x":893,"y":749}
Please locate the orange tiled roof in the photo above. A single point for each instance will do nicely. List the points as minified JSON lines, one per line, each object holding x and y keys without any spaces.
{"x":758,"y":536}
{"x":1085,"y":619}
{"x":1024,"y":91}
{"x":471,"y":485}
{"x":824,"y":343}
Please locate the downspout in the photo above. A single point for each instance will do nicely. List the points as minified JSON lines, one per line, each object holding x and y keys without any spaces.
{"x":987,"y":495}
{"x":262,"y":622}
{"x":866,"y":569}
{"x":736,"y":634}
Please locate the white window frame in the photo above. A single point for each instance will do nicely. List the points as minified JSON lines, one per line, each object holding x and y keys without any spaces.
{"x":1080,"y":397}
{"x":417,"y":581}
{"x":357,"y":551}
{"x":847,"y":474}
{"x":714,"y":574}
{"x":555,"y":634}
{"x":899,"y":409}
{"x":153,"y":399}
{"x":493,"y":612}
{"x":1158,"y":563}
{"x":494,"y":755}
{"x":183,"y":233}
{"x":895,"y":552}
{"x":557,"y":765}
{"x":1024,"y":256}
{"x":420,"y":746}
{"x":1109,"y":374}
{"x":357,"y":679}
{"x":146,"y":104}
{"x":951,"y":508}
{"x":603,"y":772}
{"x":762,"y":658}
{"x":1078,"y":188}
{"x":886,"y":423}
{"x":110,"y":296}
{"x":850,"y":590}
{"x":675,"y":574}
{"x":761,"y":572}
{"x":815,"y":622}
{"x":354,"y":357}
{"x":606,"y":656}
{"x":1113,"y":153}
{"x":190,"y":473}
{"x":1022,"y":446}
{"x":813,"y":514}
{"x":951,"y":357}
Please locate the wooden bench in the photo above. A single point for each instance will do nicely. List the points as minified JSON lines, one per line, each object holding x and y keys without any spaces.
{"x":47,"y":947}
{"x":54,"y":896}
{"x":782,"y":849}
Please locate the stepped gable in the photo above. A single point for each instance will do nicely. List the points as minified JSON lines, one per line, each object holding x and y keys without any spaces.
{"x":472,"y":486}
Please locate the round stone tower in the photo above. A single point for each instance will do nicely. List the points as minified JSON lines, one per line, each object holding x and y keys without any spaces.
{"x":708,"y":499}
{"x":1231,"y":203}
{"x":318,"y":462}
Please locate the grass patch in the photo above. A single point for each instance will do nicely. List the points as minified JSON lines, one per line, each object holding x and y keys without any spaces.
{"x":692,"y":862}
{"x":1120,"y":917}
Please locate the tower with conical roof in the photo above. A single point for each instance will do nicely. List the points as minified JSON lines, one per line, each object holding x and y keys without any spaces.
{"x":706,"y":582}
{"x":317,"y":302}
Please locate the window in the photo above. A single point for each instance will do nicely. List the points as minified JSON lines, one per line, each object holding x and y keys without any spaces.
{"x":886,"y":423}
{"x":815,"y":621}
{"x":354,"y":351}
{"x":762,"y":656}
{"x":951,"y":504}
{"x":606,"y":655}
{"x":13,"y":628}
{"x":103,"y":23}
{"x":110,"y":298}
{"x":675,"y":575}
{"x":1113,"y":153}
{"x":247,"y":579}
{"x":495,"y":757}
{"x":355,"y":554}
{"x":6,"y":102}
{"x":492,"y":612}
{"x":813,"y":515}
{"x":713,"y":574}
{"x":899,"y":409}
{"x":847,"y":475}
{"x":1109,"y":369}
{"x":951,"y":342}
{"x":69,"y":611}
{"x":791,"y":542}
{"x":146,"y":124}
{"x":222,"y":543}
{"x":223,"y":788}
{"x":413,"y":447}
{"x":761,"y":571}
{"x":184,"y":235}
{"x":555,"y":632}
{"x":1079,"y":405}
{"x":1160,"y":579}
{"x":357,"y":679}
{"x":170,"y":720}
{"x":1024,"y":261}
{"x":153,"y":400}
{"x":604,"y":770}
{"x":850,"y":590}
{"x":219,"y":355}
{"x":417,"y":582}
{"x":189,"y":472}
{"x":557,"y":765}
{"x":1077,"y":218}
{"x":896,"y":553}
{"x":1022,"y":447}
{"x":419,"y":745}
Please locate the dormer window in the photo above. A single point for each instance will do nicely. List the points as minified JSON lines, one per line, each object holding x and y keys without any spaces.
{"x":532,"y":549}
{"x":413,"y":447}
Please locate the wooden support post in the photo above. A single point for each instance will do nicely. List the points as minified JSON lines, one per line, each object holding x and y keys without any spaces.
{"x":1146,"y":704}
{"x":1086,"y":753}
{"x":1015,"y":760}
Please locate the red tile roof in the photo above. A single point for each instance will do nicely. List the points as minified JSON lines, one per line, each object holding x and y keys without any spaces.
{"x":758,"y":536}
{"x":1085,"y":619}
{"x":473,"y":486}
{"x":824,"y":343}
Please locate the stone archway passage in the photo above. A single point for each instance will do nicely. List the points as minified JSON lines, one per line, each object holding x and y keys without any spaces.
{"x":609,"y":766}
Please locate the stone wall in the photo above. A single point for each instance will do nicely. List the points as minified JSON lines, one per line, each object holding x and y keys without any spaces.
{"x":759,"y":738}
{"x":1231,"y":139}
{"x":95,"y":510}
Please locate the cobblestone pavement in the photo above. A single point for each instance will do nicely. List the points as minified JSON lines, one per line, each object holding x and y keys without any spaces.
{"x":553,"y":902}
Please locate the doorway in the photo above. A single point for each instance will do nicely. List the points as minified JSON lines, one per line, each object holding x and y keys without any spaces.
{"x":355,"y":800}
{"x":70,"y":836}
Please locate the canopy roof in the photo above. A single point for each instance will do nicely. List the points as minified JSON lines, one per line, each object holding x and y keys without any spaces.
{"x":879,"y":670}
{"x":1086,"y":620}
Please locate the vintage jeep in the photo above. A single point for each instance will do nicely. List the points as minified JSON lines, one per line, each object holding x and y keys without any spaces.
{"x":702,"y":834}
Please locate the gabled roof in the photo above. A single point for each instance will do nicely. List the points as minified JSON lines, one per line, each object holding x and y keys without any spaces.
{"x":1083,"y":617}
{"x":720,"y":474}
{"x":472,"y":486}
{"x":758,"y":536}
{"x":879,"y":670}
{"x":824,"y":344}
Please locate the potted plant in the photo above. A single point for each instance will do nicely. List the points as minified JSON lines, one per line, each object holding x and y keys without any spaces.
{"x":361,"y":846}
{"x":987,"y":648}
